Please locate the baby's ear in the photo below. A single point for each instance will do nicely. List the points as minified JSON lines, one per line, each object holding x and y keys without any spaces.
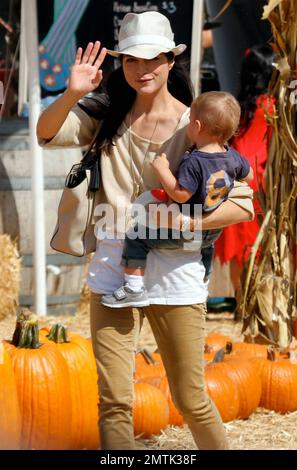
{"x":199,"y":125}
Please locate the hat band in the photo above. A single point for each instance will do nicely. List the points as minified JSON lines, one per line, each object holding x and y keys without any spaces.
{"x":146,"y":39}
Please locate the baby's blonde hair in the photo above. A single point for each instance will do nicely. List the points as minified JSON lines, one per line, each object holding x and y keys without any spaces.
{"x":219,"y":113}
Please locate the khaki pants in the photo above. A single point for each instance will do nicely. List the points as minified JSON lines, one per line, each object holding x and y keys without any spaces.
{"x":179,"y":332}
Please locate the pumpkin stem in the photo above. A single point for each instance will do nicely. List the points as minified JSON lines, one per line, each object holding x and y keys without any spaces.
{"x":58,"y":334}
{"x":22,"y":316}
{"x":219,"y":356}
{"x":229,"y":347}
{"x":271,"y":353}
{"x":26,"y":334}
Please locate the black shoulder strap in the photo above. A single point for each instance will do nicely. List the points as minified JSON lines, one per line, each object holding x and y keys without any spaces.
{"x":95,"y":105}
{"x":91,"y":162}
{"x":90,"y":154}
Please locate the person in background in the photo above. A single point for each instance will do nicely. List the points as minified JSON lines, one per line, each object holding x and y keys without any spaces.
{"x":252,"y":141}
{"x":208,"y":70}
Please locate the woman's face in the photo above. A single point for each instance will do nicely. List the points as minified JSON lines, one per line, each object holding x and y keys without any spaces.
{"x":147,"y":76}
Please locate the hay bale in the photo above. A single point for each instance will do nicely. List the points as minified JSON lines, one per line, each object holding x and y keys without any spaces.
{"x":10,"y":269}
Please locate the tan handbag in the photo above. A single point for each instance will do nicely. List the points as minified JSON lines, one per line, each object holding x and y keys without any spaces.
{"x":74,"y":231}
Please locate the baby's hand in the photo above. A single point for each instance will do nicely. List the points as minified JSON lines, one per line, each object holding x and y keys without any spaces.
{"x":160,"y":162}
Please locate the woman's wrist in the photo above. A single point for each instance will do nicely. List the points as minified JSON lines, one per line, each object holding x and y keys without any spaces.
{"x":72,"y":97}
{"x":186,"y":223}
{"x":190,"y":223}
{"x":228,"y":213}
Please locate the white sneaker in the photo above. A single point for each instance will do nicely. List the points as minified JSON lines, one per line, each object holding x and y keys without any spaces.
{"x":126,"y":297}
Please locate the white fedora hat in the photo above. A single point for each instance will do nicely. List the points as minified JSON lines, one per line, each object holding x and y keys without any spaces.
{"x":146,"y":35}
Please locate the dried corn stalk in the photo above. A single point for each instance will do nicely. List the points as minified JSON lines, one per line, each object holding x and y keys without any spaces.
{"x":268,"y":305}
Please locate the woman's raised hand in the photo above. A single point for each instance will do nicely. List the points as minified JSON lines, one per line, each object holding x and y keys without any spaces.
{"x":86,"y":74}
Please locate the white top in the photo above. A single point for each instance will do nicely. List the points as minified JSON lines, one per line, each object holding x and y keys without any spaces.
{"x":173,"y":277}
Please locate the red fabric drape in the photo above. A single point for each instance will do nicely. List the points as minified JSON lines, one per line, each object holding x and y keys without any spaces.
{"x":253,"y":145}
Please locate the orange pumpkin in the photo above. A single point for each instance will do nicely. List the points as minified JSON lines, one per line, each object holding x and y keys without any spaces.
{"x":248,"y":349}
{"x":175,"y":418}
{"x":150,"y":410}
{"x":222,"y":391}
{"x":279,"y":379}
{"x":81,"y":363}
{"x":208,"y":354}
{"x":215,"y":341}
{"x":10,"y":417}
{"x":43,"y":386}
{"x":148,"y":365}
{"x":144,"y":358}
{"x":246,"y":378}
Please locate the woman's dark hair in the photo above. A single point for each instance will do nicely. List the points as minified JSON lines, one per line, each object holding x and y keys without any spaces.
{"x":256,"y":71}
{"x":121,"y":97}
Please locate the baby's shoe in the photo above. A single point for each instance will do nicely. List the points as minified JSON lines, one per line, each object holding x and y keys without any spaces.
{"x":126,"y":297}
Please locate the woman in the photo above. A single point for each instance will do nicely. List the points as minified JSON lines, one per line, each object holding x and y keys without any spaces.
{"x":252,"y":141}
{"x":148,"y":112}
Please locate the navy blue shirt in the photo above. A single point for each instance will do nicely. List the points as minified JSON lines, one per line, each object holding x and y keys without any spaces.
{"x":210,"y":176}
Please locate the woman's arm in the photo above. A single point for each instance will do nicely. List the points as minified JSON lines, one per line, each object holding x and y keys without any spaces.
{"x":85,"y":77}
{"x":52,"y":118}
{"x":228,"y":213}
{"x":238,"y":208}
